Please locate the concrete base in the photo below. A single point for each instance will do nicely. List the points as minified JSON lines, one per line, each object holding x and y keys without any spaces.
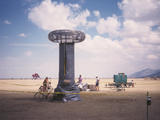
{"x":72,"y":94}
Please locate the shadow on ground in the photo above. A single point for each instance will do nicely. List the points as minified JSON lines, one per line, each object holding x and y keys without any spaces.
{"x":110,"y":106}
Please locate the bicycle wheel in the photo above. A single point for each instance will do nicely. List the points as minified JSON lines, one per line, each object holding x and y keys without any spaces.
{"x":38,"y":96}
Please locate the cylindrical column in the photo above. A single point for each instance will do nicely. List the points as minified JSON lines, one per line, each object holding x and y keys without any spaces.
{"x":61,"y":63}
{"x":69,"y":60}
{"x":66,"y":62}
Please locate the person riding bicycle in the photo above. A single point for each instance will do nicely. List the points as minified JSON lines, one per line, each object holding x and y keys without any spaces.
{"x":44,"y":90}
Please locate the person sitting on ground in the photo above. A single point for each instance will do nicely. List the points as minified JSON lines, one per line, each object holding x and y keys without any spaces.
{"x":97,"y":83}
{"x":45,"y":84}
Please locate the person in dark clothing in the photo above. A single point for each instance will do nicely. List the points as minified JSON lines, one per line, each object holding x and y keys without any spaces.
{"x":97,"y":83}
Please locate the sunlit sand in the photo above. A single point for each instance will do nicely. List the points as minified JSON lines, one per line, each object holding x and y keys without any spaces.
{"x":29,"y":85}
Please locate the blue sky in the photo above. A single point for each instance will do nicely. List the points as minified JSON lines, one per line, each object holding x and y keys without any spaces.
{"x":121,"y":36}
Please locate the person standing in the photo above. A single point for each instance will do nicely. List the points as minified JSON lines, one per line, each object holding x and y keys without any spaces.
{"x":132,"y":83}
{"x":97,"y":83}
{"x":80,"y":79}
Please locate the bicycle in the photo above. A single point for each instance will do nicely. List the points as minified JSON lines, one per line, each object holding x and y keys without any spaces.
{"x":43,"y":93}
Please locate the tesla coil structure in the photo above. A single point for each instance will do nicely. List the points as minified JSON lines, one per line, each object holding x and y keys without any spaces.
{"x":66,"y":87}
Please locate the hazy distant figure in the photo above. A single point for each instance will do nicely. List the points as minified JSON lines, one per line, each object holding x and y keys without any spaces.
{"x":80,"y":79}
{"x":97,"y":83}
{"x":132,"y":83}
{"x":35,"y":76}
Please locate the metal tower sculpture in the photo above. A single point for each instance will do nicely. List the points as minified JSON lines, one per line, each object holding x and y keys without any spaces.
{"x":66,"y":84}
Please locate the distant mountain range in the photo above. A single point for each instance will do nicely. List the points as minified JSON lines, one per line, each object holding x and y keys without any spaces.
{"x":146,"y":73}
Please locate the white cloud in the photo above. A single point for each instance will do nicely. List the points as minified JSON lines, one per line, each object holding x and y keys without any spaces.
{"x":132,"y":28}
{"x":7,"y":22}
{"x":152,"y":57}
{"x":48,"y":68}
{"x":22,"y":35}
{"x":52,"y":15}
{"x":134,"y":40}
{"x":30,"y":45}
{"x":106,"y":56}
{"x":103,"y":55}
{"x":91,"y":24}
{"x":138,"y":21}
{"x":145,"y":11}
{"x":109,"y":25}
{"x":81,"y":18}
{"x":75,"y":6}
{"x":28,"y":53}
{"x":96,"y":13}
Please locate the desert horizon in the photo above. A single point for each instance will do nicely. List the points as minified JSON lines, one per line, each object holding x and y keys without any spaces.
{"x":141,"y":84}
